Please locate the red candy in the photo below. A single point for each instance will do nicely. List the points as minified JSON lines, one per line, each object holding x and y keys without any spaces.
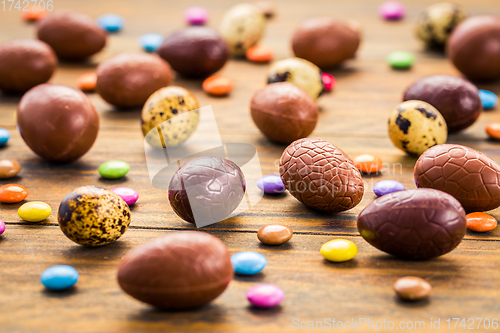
{"x":328,"y":81}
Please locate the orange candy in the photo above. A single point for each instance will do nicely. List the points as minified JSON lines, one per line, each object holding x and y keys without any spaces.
{"x":87,"y":81}
{"x":480,"y":222}
{"x":367,"y":163}
{"x":33,"y":15}
{"x":12,"y":193}
{"x":218,"y":85}
{"x":493,"y":130}
{"x":260,"y":53}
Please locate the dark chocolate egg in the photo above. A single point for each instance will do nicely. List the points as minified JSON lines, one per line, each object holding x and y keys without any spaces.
{"x":72,"y":35}
{"x":456,"y":99}
{"x":25,"y":63}
{"x":128,"y":79}
{"x":195,"y":51}
{"x":414,"y":224}
{"x":181,"y":270}
{"x":326,"y":42}
{"x":57,"y":122}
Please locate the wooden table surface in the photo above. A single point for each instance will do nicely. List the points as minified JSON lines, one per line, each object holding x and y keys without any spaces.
{"x":466,"y":282}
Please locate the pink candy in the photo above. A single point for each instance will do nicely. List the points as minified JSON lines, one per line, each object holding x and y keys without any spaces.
{"x":196,"y":15}
{"x":328,"y":81}
{"x":129,"y":195}
{"x":265,"y":295}
{"x":391,"y":10}
{"x":2,"y":227}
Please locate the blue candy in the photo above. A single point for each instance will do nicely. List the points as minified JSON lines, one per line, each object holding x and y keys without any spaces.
{"x":4,"y":136}
{"x":488,"y":99}
{"x":59,"y":277}
{"x":248,"y":262}
{"x":150,"y":42}
{"x":271,"y":184}
{"x":387,"y":186}
{"x":111,"y":22}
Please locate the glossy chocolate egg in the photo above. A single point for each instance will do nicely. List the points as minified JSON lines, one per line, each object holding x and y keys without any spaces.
{"x":321,"y":176}
{"x":72,"y":35}
{"x":195,"y":51}
{"x":179,"y":271}
{"x":414,"y":224}
{"x":128,"y":79}
{"x":58,"y":123}
{"x":25,"y":63}
{"x":456,"y":99}
{"x":468,"y":175}
{"x":326,"y":42}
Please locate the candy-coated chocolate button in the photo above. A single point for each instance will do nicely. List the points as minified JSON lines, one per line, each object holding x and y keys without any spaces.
{"x":4,"y":136}
{"x":129,"y":195}
{"x":493,"y":130}
{"x":34,"y":211}
{"x":111,"y":22}
{"x":328,"y":81}
{"x":384,"y":187}
{"x":265,"y":295}
{"x":59,"y":277}
{"x":271,"y":184}
{"x":218,"y":85}
{"x":274,"y":234}
{"x":480,"y":222}
{"x":488,"y":99}
{"x":367,"y":163}
{"x":150,"y":42}
{"x":2,"y":227}
{"x":260,"y":53}
{"x":12,"y":193}
{"x":114,"y":169}
{"x":33,"y":14}
{"x":196,"y":15}
{"x":412,"y":288}
{"x":87,"y":82}
{"x":391,"y":10}
{"x":400,"y":59}
{"x":9,"y":169}
{"x":248,"y":262}
{"x":339,"y":250}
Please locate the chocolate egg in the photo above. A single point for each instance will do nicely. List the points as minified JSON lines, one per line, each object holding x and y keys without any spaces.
{"x":414,"y":224}
{"x":326,"y":42}
{"x":179,"y":271}
{"x":456,"y":99}
{"x":169,"y":117}
{"x":474,"y":48}
{"x":321,"y":176}
{"x":206,"y":190}
{"x":128,"y":79}
{"x":304,"y":74}
{"x":284,"y":112}
{"x":468,"y":175}
{"x":72,"y":35}
{"x":58,"y":123}
{"x":25,"y":63}
{"x":93,"y":216}
{"x":195,"y":51}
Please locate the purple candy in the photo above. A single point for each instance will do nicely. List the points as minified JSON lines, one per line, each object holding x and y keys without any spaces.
{"x":391,"y":10}
{"x":2,"y":227}
{"x":271,"y":184}
{"x":196,"y":15}
{"x":129,"y":195}
{"x":387,"y":186}
{"x":265,"y":295}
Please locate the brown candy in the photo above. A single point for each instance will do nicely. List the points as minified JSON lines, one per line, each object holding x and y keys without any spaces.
{"x":128,"y":79}
{"x":25,"y":63}
{"x":284,"y":112}
{"x":321,"y":175}
{"x":473,"y":47}
{"x":412,"y":288}
{"x":468,"y":175}
{"x":195,"y":51}
{"x":9,"y":169}
{"x":274,"y":234}
{"x":72,"y":35}
{"x":58,"y":123}
{"x":181,"y":270}
{"x":326,"y":42}
{"x":455,"y":98}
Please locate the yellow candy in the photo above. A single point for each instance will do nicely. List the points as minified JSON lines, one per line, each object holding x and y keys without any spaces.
{"x":34,"y":211}
{"x":339,"y":250}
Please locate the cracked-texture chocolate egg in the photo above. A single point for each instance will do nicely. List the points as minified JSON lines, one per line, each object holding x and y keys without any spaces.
{"x":326,"y":42}
{"x":474,"y":48}
{"x":414,"y":224}
{"x":195,"y":51}
{"x":58,"y":123}
{"x":181,"y":270}
{"x":93,"y":216}
{"x":169,"y":117}
{"x":437,"y":22}
{"x":304,"y":74}
{"x":206,"y":190}
{"x":456,"y":99}
{"x":128,"y":79}
{"x":72,"y":35}
{"x":415,"y":126}
{"x":25,"y":63}
{"x":321,"y":176}
{"x":467,"y":174}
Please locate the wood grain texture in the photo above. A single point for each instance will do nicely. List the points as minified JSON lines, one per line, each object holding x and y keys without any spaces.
{"x":354,"y":117}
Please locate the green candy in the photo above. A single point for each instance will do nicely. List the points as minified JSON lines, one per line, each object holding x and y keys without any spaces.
{"x":401,"y":59}
{"x":114,"y":169}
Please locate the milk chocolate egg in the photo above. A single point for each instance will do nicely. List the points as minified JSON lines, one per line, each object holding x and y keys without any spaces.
{"x":179,"y":271}
{"x":58,"y":123}
{"x":456,"y":99}
{"x":414,"y":224}
{"x":195,"y":51}
{"x":470,"y":176}
{"x":284,"y":112}
{"x":326,"y":42}
{"x":321,"y":175}
{"x":25,"y":63}
{"x":72,"y":35}
{"x":128,"y":79}
{"x":474,"y":47}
